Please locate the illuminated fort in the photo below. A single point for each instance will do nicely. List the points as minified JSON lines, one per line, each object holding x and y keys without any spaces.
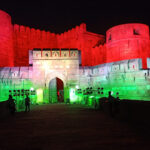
{"x":56,"y":67}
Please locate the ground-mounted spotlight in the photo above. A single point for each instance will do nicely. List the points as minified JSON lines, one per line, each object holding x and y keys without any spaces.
{"x":77,"y":86}
{"x":31,"y":89}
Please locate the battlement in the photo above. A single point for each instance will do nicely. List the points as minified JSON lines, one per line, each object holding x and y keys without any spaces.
{"x":127,"y":31}
{"x":74,"y":31}
{"x":123,"y":42}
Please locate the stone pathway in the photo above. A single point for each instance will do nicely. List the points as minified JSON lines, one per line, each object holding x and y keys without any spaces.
{"x":68,"y":127}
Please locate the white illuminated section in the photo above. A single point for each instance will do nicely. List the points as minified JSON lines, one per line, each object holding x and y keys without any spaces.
{"x":77,"y":87}
{"x":67,"y":66}
{"x":39,"y":95}
{"x":31,"y":89}
{"x":45,"y":65}
{"x":51,"y":71}
{"x":72,"y":95}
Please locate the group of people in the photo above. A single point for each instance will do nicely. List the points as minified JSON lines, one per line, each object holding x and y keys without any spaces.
{"x":12,"y":104}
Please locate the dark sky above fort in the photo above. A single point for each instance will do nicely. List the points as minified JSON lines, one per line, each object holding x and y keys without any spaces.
{"x":60,"y":15}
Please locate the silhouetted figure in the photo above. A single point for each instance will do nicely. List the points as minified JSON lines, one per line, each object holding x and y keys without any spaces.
{"x":11,"y":105}
{"x":27,"y":104}
{"x":111,"y":102}
{"x":102,"y":101}
{"x":116,"y":104}
{"x":95,"y":104}
{"x":68,"y":101}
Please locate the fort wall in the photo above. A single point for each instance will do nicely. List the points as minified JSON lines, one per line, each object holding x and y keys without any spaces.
{"x":6,"y":43}
{"x":123,"y":42}
{"x":128,"y":41}
{"x":26,"y":38}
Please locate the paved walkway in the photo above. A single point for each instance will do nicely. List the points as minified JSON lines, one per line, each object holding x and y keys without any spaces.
{"x":68,"y":127}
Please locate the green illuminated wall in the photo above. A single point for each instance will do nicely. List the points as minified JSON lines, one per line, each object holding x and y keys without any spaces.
{"x":11,"y":86}
{"x":53,"y":91}
{"x":125,"y":77}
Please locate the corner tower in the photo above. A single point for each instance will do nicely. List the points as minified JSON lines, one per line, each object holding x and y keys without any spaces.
{"x":6,"y":40}
{"x":128,"y":41}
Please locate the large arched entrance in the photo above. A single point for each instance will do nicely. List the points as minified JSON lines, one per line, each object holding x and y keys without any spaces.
{"x":56,"y":91}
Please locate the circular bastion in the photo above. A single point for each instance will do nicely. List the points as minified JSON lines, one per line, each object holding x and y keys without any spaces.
{"x":6,"y":40}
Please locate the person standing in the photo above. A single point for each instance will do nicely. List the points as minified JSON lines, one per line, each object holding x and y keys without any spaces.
{"x":110,"y":102}
{"x":27,"y":104}
{"x":11,"y":105}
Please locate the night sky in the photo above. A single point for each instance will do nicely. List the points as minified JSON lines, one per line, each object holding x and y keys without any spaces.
{"x":58,"y":16}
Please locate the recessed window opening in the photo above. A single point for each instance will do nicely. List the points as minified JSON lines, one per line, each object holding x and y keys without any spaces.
{"x":109,"y":39}
{"x":136,"y":32}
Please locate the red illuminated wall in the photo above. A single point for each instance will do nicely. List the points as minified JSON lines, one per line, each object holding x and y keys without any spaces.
{"x":6,"y":43}
{"x":60,"y":88}
{"x":81,"y":39}
{"x":123,"y":42}
{"x":127,"y":41}
{"x":26,"y":38}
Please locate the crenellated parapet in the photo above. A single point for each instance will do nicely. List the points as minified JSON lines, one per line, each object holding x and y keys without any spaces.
{"x":72,"y":38}
{"x":26,"y":38}
{"x":122,"y":42}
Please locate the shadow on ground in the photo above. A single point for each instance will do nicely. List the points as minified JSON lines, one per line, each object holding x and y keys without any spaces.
{"x":69,"y":127}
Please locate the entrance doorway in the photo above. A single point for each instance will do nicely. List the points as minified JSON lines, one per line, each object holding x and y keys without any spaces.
{"x":56,"y":91}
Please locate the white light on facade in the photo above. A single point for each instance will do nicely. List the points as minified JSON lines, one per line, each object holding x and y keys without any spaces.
{"x":31,"y":89}
{"x":77,"y":87}
{"x":67,"y":66}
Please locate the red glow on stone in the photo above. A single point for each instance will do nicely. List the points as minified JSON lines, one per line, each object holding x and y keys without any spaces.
{"x":6,"y":40}
{"x":123,"y":42}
